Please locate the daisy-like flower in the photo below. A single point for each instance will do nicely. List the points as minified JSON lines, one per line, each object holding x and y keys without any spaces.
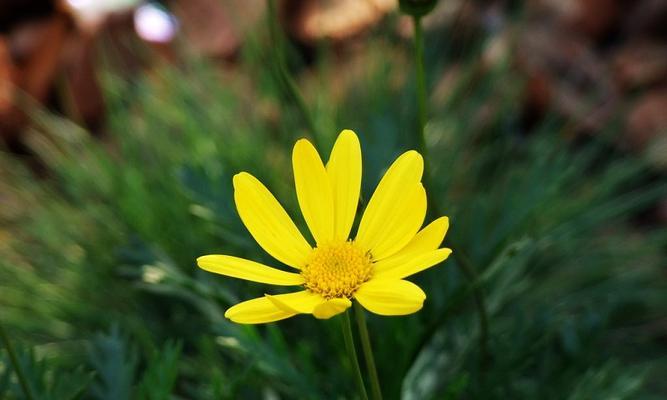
{"x":389,"y":245}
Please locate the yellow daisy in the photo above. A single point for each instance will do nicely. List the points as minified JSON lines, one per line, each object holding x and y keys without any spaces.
{"x":389,"y":245}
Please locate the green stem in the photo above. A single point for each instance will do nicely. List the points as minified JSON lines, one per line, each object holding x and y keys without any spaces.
{"x":422,"y":112}
{"x":283,"y":73}
{"x":352,"y":354}
{"x":421,"y":82}
{"x":368,"y":351}
{"x":464,"y":264}
{"x":4,"y":338}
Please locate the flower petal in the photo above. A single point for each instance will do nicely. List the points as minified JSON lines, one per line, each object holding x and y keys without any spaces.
{"x":256,"y":311}
{"x":268,"y":222}
{"x":344,"y":170}
{"x":331,"y":307}
{"x":249,"y":270}
{"x":313,"y":191}
{"x":390,"y":297}
{"x":408,"y":218}
{"x":396,"y":209}
{"x":403,"y":265}
{"x":302,"y":302}
{"x":420,"y":253}
{"x":428,"y":238}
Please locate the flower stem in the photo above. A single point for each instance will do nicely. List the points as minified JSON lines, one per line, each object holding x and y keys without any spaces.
{"x":352,"y":354}
{"x":421,"y":82}
{"x":368,"y":351}
{"x":422,"y":112}
{"x":4,"y":338}
{"x":463,"y":263}
{"x":284,"y":75}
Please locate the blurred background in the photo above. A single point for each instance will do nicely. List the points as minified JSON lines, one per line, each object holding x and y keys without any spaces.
{"x":123,"y":121}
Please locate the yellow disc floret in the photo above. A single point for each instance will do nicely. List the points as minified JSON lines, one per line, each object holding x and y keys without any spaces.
{"x":337,"y":270}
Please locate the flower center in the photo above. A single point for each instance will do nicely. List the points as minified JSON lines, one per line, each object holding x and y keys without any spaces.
{"x":337,"y":269}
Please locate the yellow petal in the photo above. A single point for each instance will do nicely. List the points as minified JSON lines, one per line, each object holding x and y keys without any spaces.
{"x":390,"y":297}
{"x":428,"y":238}
{"x":344,"y":169}
{"x":396,"y":209}
{"x":331,"y":307}
{"x":420,"y":253}
{"x":302,"y":302}
{"x":403,"y":265}
{"x":256,"y":311}
{"x":313,"y":191}
{"x":248,"y":270}
{"x":407,"y":220}
{"x":268,"y":222}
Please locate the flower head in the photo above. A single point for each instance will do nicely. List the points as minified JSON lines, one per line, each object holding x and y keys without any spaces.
{"x":388,"y":247}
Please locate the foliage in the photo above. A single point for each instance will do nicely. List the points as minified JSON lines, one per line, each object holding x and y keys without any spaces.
{"x":106,"y":242}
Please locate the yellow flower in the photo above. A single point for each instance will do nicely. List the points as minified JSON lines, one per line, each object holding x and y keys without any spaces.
{"x":388,"y":247}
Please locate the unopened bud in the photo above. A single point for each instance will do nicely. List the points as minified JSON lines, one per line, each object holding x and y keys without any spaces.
{"x":417,"y":8}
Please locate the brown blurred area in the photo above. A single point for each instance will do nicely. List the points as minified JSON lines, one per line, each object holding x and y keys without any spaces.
{"x":594,"y":62}
{"x":48,"y":51}
{"x":612,"y":50}
{"x":41,"y":52}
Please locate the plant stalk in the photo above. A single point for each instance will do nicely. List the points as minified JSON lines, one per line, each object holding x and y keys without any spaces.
{"x":421,"y":84}
{"x":465,"y":266}
{"x":13,"y":359}
{"x":352,"y":355}
{"x":368,"y":351}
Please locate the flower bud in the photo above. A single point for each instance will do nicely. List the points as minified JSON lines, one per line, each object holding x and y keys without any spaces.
{"x":417,"y":8}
